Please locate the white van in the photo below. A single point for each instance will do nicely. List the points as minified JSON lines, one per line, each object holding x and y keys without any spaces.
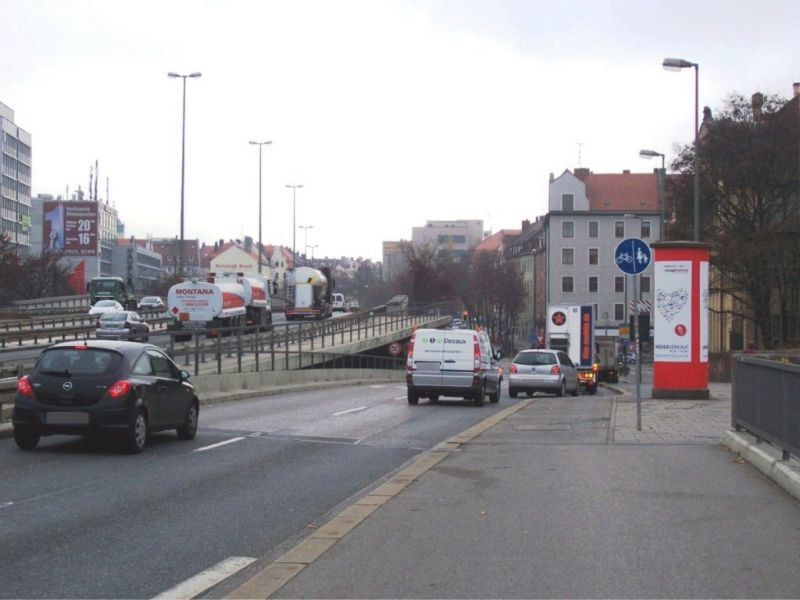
{"x":457,"y":362}
{"x":338,"y":303}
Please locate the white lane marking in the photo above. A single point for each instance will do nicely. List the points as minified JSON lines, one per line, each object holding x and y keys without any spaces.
{"x":6,"y":504}
{"x":207,"y":579}
{"x":376,"y":386}
{"x":400,"y":398}
{"x":217,"y":445}
{"x":352,"y":410}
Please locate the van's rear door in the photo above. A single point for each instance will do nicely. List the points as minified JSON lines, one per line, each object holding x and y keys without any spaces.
{"x":427,"y":358}
{"x":458,"y":358}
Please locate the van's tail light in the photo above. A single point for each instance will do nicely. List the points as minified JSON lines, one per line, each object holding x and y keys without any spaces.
{"x":512,"y":368}
{"x":410,"y":359}
{"x":477,"y":350}
{"x":555,"y":370}
{"x":120,"y":389}
{"x":24,"y":387}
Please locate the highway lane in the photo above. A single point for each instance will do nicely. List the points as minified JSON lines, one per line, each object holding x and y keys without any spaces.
{"x":79,"y":519}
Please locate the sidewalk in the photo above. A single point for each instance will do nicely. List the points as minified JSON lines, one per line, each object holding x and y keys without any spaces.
{"x":556,"y":497}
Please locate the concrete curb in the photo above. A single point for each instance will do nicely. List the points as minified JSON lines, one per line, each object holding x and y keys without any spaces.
{"x":767,"y":459}
{"x":274,"y":576}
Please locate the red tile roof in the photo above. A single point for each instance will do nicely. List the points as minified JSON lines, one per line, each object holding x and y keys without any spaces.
{"x":493,"y":242}
{"x":615,"y":192}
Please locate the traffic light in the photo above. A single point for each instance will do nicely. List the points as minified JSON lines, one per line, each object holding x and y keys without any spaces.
{"x":644,"y":327}
{"x":466,"y":314}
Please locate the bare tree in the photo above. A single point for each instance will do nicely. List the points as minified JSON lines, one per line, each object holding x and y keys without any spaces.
{"x":750,"y":209}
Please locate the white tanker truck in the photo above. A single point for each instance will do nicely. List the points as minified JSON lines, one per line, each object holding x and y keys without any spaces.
{"x":228,"y":300}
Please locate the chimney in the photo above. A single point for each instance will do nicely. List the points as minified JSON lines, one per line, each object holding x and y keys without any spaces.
{"x":526,"y":225}
{"x":796,"y":88}
{"x":248,"y":243}
{"x":626,"y":171}
{"x":581,"y":172}
{"x":552,"y":178}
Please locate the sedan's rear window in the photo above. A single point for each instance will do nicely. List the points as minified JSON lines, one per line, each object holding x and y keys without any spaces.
{"x":88,"y":361}
{"x":535,"y":358}
{"x":118,"y":316}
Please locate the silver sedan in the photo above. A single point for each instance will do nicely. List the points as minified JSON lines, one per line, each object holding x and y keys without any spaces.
{"x":548,"y":371}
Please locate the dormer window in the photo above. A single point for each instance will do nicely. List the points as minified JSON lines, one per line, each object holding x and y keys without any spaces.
{"x":568,"y":202}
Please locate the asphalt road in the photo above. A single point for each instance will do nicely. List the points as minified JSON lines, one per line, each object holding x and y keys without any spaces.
{"x":79,"y":519}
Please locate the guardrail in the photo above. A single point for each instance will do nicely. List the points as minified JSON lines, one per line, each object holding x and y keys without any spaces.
{"x":46,"y":328}
{"x":81,"y":300}
{"x":288,"y":346}
{"x":764,"y":398}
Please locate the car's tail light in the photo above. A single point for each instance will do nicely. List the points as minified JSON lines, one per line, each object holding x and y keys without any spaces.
{"x":24,"y":386}
{"x":410,"y":359}
{"x":477,"y":354}
{"x":555,"y":370}
{"x":120,"y":389}
{"x":596,"y":367}
{"x":512,"y":369}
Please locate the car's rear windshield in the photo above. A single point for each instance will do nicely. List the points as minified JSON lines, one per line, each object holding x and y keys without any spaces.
{"x":535,"y":358}
{"x":74,"y":361}
{"x":117,"y":316}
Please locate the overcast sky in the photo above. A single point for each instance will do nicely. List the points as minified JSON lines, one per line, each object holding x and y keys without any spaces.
{"x":388,"y":113}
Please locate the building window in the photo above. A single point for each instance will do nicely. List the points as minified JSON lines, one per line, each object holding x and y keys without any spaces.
{"x":567,"y":229}
{"x":594,"y":255}
{"x":645,"y":285}
{"x":619,"y":312}
{"x":567,"y":285}
{"x":593,"y":229}
{"x":567,"y":202}
{"x":567,"y":256}
{"x":619,"y":229}
{"x":593,"y":284}
{"x":645,"y":229}
{"x":619,"y":284}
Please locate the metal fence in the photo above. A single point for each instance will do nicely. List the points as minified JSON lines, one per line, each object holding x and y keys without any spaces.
{"x":765,"y":399}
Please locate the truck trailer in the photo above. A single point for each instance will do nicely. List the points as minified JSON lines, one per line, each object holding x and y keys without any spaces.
{"x":310,"y":294}
{"x":570,"y":328}
{"x":224,"y":301}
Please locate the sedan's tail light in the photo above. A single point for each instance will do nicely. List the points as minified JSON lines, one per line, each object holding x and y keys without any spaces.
{"x":120,"y":389}
{"x":24,"y":386}
{"x":555,"y":370}
{"x":512,"y":369}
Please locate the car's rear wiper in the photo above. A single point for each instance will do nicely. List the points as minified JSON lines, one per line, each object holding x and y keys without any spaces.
{"x":64,"y":373}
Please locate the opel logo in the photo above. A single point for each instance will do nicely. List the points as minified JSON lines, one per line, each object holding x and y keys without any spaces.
{"x":67,"y":386}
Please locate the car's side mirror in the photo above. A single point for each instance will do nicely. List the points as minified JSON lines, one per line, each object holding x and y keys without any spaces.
{"x":498,"y":355}
{"x":185,"y":374}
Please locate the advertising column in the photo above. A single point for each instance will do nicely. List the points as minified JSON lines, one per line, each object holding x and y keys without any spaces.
{"x":680,"y":344}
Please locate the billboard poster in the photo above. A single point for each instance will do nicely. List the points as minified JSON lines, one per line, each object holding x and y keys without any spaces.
{"x":673,"y":311}
{"x":70,"y":228}
{"x":704,"y":311}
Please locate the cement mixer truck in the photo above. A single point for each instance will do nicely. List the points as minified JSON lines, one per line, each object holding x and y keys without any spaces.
{"x":310,"y":294}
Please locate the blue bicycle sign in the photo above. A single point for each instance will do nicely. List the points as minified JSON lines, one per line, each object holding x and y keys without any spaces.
{"x":632,"y":256}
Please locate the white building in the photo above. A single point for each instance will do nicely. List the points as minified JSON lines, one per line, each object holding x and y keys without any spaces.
{"x":15,"y":148}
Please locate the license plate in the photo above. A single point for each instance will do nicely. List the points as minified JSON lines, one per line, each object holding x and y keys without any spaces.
{"x":68,"y":418}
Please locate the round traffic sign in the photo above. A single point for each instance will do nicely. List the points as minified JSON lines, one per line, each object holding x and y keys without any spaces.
{"x":395,"y":348}
{"x":632,"y":256}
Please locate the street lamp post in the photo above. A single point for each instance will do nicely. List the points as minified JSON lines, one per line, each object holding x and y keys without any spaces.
{"x":294,"y":217}
{"x":662,"y":180}
{"x":260,"y":246}
{"x":676,"y":64}
{"x":183,"y":161}
{"x":305,"y":229}
{"x":312,"y":254}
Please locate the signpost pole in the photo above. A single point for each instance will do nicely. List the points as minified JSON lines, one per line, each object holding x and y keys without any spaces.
{"x":638,"y":337}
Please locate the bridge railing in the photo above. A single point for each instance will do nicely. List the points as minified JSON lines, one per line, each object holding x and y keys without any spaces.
{"x":764,"y":398}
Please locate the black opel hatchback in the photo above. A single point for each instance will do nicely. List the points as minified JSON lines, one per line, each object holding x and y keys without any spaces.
{"x":94,"y":387}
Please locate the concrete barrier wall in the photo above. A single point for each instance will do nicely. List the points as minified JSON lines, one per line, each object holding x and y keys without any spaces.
{"x":235,"y":382}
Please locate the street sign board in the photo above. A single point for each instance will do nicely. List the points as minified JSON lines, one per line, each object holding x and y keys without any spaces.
{"x":632,"y":256}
